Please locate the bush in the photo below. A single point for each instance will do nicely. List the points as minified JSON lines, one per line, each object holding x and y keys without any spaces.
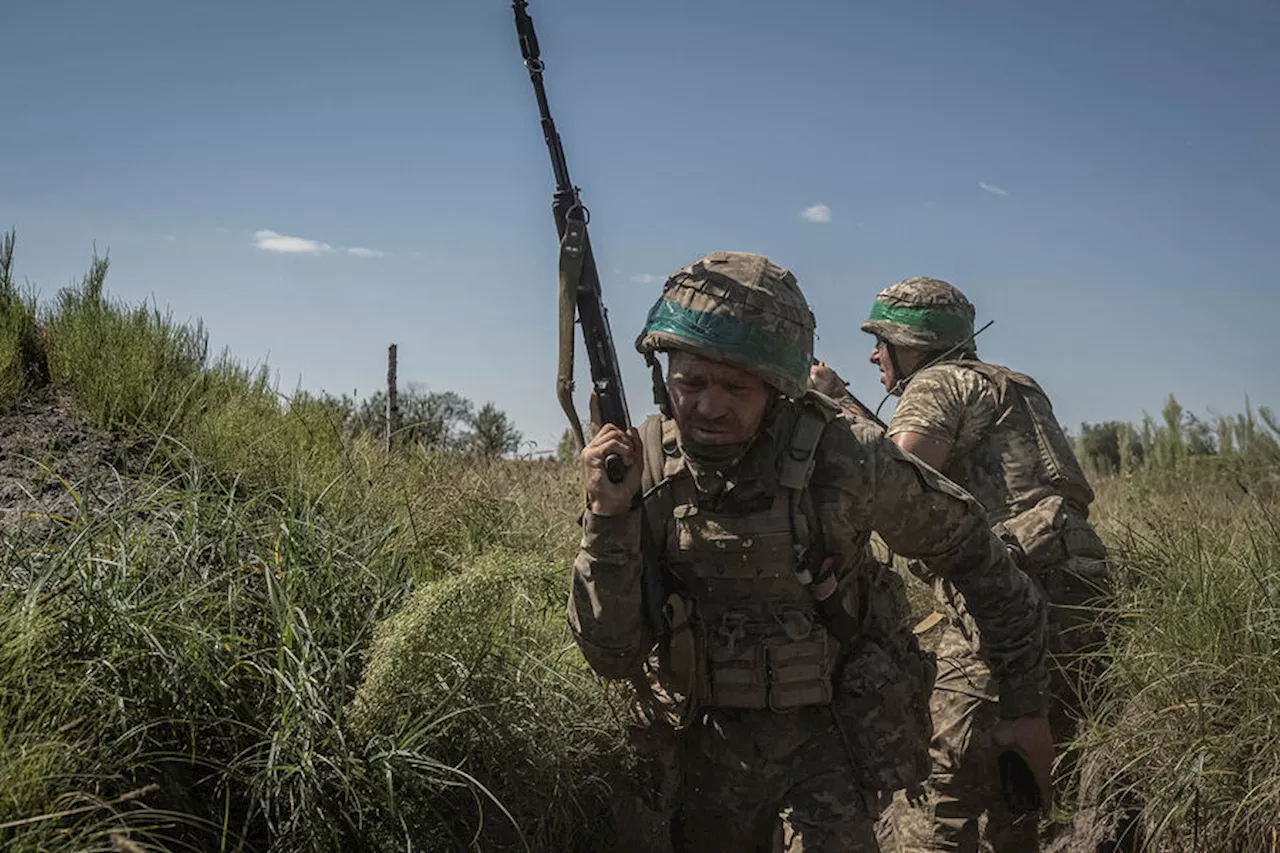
{"x":480,"y":673}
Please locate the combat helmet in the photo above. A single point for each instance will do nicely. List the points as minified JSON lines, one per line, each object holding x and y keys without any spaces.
{"x":923,"y":313}
{"x":738,"y":308}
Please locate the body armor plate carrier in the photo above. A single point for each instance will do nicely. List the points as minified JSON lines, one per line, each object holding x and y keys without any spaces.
{"x":755,"y":624}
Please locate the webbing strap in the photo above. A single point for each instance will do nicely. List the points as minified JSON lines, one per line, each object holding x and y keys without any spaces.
{"x":572,"y":257}
{"x":798,"y":461}
{"x":793,"y":474}
{"x":655,"y":491}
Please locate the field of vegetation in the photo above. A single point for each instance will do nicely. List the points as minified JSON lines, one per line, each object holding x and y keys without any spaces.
{"x":231,"y":621}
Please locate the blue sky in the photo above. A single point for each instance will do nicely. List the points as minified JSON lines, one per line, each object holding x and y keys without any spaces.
{"x":1101,"y":178}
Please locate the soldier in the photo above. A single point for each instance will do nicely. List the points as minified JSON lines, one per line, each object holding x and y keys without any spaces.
{"x":798,"y":695}
{"x":993,"y":432}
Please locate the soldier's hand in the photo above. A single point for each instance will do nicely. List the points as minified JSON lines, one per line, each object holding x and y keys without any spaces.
{"x":826,"y":381}
{"x":605,"y":497}
{"x":1031,"y":738}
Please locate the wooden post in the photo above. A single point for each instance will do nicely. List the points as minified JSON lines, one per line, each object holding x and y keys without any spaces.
{"x":393,"y":406}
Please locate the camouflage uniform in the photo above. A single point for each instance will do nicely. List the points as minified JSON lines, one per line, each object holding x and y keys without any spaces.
{"x":791,"y":724}
{"x":1010,"y":453}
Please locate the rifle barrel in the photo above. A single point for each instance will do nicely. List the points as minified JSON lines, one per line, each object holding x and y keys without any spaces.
{"x":533,"y":62}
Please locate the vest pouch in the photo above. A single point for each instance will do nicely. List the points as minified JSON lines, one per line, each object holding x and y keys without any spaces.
{"x":800,"y":670}
{"x":757,"y":666}
{"x":1081,"y":540}
{"x":736,"y":666}
{"x":1038,"y":533}
{"x":679,"y":670}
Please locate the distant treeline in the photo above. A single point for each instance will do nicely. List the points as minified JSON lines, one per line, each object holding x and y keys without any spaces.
{"x":1118,"y":447}
{"x":440,"y":421}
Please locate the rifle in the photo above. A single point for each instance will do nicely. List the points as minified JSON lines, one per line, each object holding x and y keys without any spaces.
{"x":579,"y":278}
{"x":580,"y":291}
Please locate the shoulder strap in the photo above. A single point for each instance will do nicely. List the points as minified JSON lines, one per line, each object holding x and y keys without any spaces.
{"x":794,"y":472}
{"x":796,"y":466}
{"x":658,"y":440}
{"x":654,"y":460}
{"x":1003,"y":377}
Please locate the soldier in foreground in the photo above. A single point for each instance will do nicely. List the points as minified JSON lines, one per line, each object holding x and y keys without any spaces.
{"x":798,"y":695}
{"x":993,"y":432}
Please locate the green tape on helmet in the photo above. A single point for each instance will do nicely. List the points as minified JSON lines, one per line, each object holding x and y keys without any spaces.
{"x":936,"y":320}
{"x":739,"y":308}
{"x":922,"y":313}
{"x":729,"y":336}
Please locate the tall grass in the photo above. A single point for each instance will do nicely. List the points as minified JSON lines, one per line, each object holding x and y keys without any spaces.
{"x":127,"y":364}
{"x":181,"y":657}
{"x":213,"y":643}
{"x":135,"y":371}
{"x":1187,"y":719}
{"x":22,"y":363}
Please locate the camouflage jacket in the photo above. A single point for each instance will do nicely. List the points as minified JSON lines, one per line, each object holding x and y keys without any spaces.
{"x":861,"y":482}
{"x":1008,"y":451}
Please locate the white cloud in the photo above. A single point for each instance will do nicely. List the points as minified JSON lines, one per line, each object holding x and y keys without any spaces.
{"x":647,"y":278}
{"x":817,"y":213}
{"x":169,"y":238}
{"x":270,"y":241}
{"x":992,"y":188}
{"x":220,"y":230}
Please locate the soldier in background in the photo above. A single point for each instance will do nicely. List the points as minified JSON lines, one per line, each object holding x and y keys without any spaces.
{"x":993,"y":432}
{"x":796,"y":694}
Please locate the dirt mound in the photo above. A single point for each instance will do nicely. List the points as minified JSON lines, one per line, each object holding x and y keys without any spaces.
{"x":53,"y":464}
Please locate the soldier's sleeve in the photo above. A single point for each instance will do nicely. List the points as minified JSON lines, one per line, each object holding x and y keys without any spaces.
{"x":922,"y":515}
{"x":854,"y":409}
{"x":936,"y":403}
{"x":606,"y":607}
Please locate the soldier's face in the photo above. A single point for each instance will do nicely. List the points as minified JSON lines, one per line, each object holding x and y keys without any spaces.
{"x":714,"y":402}
{"x":908,"y":359}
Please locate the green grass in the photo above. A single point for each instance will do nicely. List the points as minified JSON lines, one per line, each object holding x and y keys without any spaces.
{"x":1188,"y":718}
{"x":208,"y":624}
{"x":213,"y":644}
{"x":21,"y":352}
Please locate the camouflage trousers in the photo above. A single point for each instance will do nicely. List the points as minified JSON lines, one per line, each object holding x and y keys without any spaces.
{"x":765,"y":782}
{"x":965,"y":812}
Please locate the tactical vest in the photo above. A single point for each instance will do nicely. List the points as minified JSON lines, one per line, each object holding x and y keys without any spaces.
{"x":1044,"y":505}
{"x":755,"y":626}
{"x":752,"y":625}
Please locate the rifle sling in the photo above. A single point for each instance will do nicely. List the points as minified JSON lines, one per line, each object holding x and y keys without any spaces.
{"x":572,"y":257}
